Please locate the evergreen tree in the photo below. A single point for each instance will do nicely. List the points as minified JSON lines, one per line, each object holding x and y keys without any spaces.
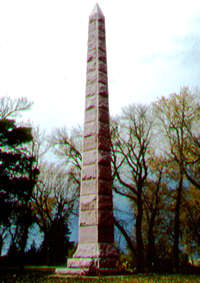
{"x":18,"y":175}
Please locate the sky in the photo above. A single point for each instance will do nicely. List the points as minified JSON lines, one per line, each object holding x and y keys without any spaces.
{"x":153,"y":49}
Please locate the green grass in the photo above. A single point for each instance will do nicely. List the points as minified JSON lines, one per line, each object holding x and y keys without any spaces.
{"x":44,"y":274}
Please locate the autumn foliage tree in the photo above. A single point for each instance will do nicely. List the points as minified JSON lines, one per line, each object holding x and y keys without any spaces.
{"x":54,"y":201}
{"x":156,"y":198}
{"x":177,"y":115}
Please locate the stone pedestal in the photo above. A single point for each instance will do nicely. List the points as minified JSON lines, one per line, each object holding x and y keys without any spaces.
{"x":96,"y":251}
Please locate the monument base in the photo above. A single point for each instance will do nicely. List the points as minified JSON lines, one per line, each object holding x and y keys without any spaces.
{"x":92,"y":259}
{"x":86,"y":271}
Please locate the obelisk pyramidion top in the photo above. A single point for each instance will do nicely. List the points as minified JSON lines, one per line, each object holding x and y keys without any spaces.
{"x":97,"y":11}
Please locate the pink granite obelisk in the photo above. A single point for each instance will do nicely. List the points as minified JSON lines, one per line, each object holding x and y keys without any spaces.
{"x":96,"y":248}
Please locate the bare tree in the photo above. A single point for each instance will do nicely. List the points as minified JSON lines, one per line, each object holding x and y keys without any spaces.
{"x":10,"y":107}
{"x":130,"y":149}
{"x":68,"y":148}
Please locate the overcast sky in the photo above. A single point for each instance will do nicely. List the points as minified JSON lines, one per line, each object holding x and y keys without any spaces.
{"x":153,"y":48}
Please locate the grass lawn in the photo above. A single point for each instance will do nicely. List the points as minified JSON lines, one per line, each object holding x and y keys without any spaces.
{"x":46,"y":274}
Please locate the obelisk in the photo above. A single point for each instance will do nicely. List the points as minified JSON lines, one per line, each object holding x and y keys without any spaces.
{"x":96,"y":250}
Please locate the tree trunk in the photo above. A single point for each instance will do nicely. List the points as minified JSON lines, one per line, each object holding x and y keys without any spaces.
{"x":151,"y":246}
{"x":1,"y":244}
{"x":139,"y":238}
{"x":24,"y":237}
{"x":126,"y":236}
{"x":151,"y":252}
{"x":177,"y":225}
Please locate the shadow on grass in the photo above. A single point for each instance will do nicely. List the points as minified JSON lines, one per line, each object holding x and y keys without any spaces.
{"x":26,"y":274}
{"x":44,"y":274}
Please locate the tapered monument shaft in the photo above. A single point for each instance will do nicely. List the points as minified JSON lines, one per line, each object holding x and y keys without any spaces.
{"x":96,"y":232}
{"x":96,"y":215}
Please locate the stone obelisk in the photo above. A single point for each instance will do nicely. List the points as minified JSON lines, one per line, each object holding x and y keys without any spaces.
{"x":95,"y":249}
